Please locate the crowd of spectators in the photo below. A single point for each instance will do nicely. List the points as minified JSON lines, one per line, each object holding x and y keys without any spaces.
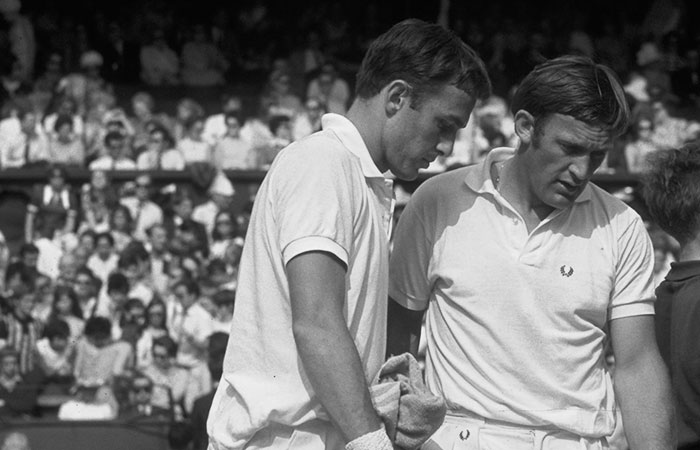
{"x":119,"y":300}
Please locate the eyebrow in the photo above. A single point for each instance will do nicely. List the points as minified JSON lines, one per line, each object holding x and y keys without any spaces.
{"x":456,"y":121}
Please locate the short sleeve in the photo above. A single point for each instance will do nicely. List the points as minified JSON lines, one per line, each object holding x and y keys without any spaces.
{"x":315,"y":203}
{"x":633,"y":291}
{"x":409,"y":283}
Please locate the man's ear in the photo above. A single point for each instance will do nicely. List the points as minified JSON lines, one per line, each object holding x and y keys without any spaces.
{"x":524,"y":126}
{"x":397,"y":96}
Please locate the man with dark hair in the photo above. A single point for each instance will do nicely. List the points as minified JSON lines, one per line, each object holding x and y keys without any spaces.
{"x":527,"y":270}
{"x":189,"y":324}
{"x":309,"y":330}
{"x":672,"y":194}
{"x":117,"y":157}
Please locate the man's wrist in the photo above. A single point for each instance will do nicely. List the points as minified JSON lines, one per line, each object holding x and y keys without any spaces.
{"x":375,"y":440}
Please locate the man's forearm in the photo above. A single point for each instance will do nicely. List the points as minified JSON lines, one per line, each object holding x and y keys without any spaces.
{"x":646,"y":400}
{"x":335,"y":371}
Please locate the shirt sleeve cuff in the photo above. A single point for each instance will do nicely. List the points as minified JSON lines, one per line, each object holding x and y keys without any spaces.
{"x":408,"y":302}
{"x":314,"y":244}
{"x":643,"y":308}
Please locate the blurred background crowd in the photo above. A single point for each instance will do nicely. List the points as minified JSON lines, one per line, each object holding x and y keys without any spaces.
{"x":116,"y":299}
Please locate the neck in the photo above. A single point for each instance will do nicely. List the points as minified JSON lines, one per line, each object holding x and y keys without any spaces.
{"x":369,"y":124}
{"x":513,"y":186}
{"x":690,"y":251}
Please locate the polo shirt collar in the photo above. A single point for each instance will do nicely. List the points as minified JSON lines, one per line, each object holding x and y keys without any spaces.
{"x":349,"y":136}
{"x":683,"y":270}
{"x":480,"y":180}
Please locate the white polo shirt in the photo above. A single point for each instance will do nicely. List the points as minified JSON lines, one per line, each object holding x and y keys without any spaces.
{"x":321,"y":193}
{"x":516,"y":321}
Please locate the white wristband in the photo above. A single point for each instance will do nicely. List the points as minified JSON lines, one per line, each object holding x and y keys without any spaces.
{"x":376,"y":440}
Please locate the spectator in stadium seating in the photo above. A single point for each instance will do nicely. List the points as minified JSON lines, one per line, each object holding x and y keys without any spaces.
{"x":134,"y":263}
{"x":29,"y":255}
{"x":156,"y":326}
{"x":141,"y":404}
{"x":18,"y":392}
{"x":65,"y":307}
{"x":215,"y":126}
{"x":185,"y":110}
{"x":131,"y":322}
{"x":21,"y":38}
{"x":640,"y":146}
{"x":23,"y":141}
{"x":224,"y":300}
{"x":145,"y":212}
{"x":66,"y":106}
{"x":330,"y":89}
{"x":181,"y":210}
{"x":202,"y":63}
{"x":82,"y":86}
{"x":100,"y":110}
{"x":99,"y":358}
{"x":192,"y":146}
{"x":279,"y":97}
{"x":104,"y":260}
{"x":15,"y":441}
{"x":121,"y":224}
{"x":44,"y":291}
{"x":160,"y":64}
{"x":308,"y":121}
{"x":65,"y":146}
{"x":281,"y":129}
{"x":118,"y":293}
{"x":231,"y":151}
{"x":19,"y":330}
{"x":55,"y":352}
{"x":160,"y":257}
{"x":160,"y":153}
{"x":223,"y":233}
{"x":170,"y":380}
{"x":190,"y":324}
{"x":86,"y":287}
{"x":116,"y":157}
{"x":56,"y":205}
{"x":143,"y":109}
{"x":220,"y":195}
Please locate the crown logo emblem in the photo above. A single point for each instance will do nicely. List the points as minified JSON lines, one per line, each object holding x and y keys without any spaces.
{"x":566,"y":271}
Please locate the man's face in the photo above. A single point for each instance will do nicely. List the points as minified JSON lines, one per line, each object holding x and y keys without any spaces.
{"x":58,"y":344}
{"x":560,"y":158}
{"x":141,"y":390}
{"x":28,"y":123}
{"x":161,"y":357}
{"x":183,"y":296}
{"x":83,"y":285}
{"x":159,"y":238}
{"x":142,"y":187}
{"x":103,"y":248}
{"x":25,"y":304}
{"x":30,"y":259}
{"x":415,"y":137}
{"x":116,"y":147}
{"x":9,"y":366}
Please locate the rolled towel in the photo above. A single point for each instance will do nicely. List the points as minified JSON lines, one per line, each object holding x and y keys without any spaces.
{"x":411,"y":413}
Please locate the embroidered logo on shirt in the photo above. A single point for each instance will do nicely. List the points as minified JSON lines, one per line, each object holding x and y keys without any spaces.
{"x":566,"y":271}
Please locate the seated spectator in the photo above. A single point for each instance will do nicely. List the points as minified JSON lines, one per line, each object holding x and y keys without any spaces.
{"x":55,"y":353}
{"x":91,"y":401}
{"x":169,"y":379}
{"x":29,"y":255}
{"x":330,"y":89}
{"x":117,"y":294}
{"x":181,"y":210}
{"x":192,"y":146}
{"x":156,"y":326}
{"x":144,"y":115}
{"x":308,"y":121}
{"x":215,"y":126}
{"x":224,"y":300}
{"x":87,"y":287}
{"x":190,"y":324}
{"x":98,"y":197}
{"x":278,"y":95}
{"x":44,"y":291}
{"x":281,"y":129}
{"x":116,"y":157}
{"x":56,"y":206}
{"x":99,"y":358}
{"x":67,"y":309}
{"x":186,"y":110}
{"x":220,"y":195}
{"x":66,"y":106}
{"x":160,"y":257}
{"x":160,"y":153}
{"x":100,"y":109}
{"x":640,"y":146}
{"x":65,"y":147}
{"x":140,"y":402}
{"x":144,"y":211}
{"x":672,"y":132}
{"x":18,"y":392}
{"x":20,"y":331}
{"x":131,"y":322}
{"x":121,"y":225}
{"x":159,"y":63}
{"x":202,"y":63}
{"x":104,"y":260}
{"x":231,"y":151}
{"x":82,"y":86}
{"x":23,"y":140}
{"x":134,"y":263}
{"x":223,"y":234}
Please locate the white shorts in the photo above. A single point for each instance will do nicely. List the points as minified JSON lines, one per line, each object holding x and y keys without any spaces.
{"x":314,"y":435}
{"x":462,"y":433}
